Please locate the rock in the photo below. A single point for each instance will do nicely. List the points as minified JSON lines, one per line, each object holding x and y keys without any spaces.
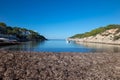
{"x":62,"y":66}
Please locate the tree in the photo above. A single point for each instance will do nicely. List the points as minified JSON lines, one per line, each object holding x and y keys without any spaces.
{"x":3,"y":25}
{"x":2,"y":28}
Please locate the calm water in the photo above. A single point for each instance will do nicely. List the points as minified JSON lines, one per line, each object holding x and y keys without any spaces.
{"x":62,"y":46}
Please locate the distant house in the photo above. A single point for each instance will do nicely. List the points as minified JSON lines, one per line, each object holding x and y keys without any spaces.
{"x":26,"y":33}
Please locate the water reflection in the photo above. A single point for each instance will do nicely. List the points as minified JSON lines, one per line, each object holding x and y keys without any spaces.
{"x":26,"y":46}
{"x":101,"y":47}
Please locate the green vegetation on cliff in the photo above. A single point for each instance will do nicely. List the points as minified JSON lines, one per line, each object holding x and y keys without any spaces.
{"x":96,"y":31}
{"x":20,"y":34}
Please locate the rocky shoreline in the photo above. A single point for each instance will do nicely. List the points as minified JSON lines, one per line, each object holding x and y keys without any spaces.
{"x":111,"y":36}
{"x":9,"y":43}
{"x":88,"y":40}
{"x":16,"y":65}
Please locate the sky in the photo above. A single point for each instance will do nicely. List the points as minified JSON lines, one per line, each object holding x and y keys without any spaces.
{"x":59,"y":19}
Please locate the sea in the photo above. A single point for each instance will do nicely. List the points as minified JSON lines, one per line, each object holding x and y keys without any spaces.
{"x":62,"y":45}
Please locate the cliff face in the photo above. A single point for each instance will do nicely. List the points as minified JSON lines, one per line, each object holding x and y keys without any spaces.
{"x":111,"y":36}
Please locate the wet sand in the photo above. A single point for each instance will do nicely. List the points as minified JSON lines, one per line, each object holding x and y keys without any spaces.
{"x":16,"y":65}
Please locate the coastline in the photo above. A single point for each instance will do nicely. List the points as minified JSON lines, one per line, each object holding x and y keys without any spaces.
{"x":88,"y":40}
{"x":9,"y":43}
{"x":110,"y":36}
{"x":16,"y":65}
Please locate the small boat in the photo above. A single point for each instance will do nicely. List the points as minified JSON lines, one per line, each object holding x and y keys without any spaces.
{"x":67,"y":41}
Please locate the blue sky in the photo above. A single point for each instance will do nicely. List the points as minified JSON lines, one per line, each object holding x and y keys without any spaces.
{"x":60,"y":18}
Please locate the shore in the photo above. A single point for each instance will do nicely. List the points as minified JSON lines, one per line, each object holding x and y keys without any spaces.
{"x":59,"y":66}
{"x":9,"y":43}
{"x":88,"y":40}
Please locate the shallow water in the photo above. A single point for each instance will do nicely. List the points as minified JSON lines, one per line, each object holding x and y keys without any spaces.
{"x":55,"y":45}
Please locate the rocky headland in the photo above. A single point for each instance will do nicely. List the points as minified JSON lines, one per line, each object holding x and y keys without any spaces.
{"x":18,"y":34}
{"x":105,"y":35}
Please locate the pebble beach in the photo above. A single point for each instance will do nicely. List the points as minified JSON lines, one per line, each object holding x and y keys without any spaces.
{"x":19,"y":65}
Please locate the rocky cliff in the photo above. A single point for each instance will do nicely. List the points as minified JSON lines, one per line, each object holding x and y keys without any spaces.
{"x":110,"y":36}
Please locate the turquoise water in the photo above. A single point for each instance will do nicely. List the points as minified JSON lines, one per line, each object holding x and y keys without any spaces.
{"x":54,"y":45}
